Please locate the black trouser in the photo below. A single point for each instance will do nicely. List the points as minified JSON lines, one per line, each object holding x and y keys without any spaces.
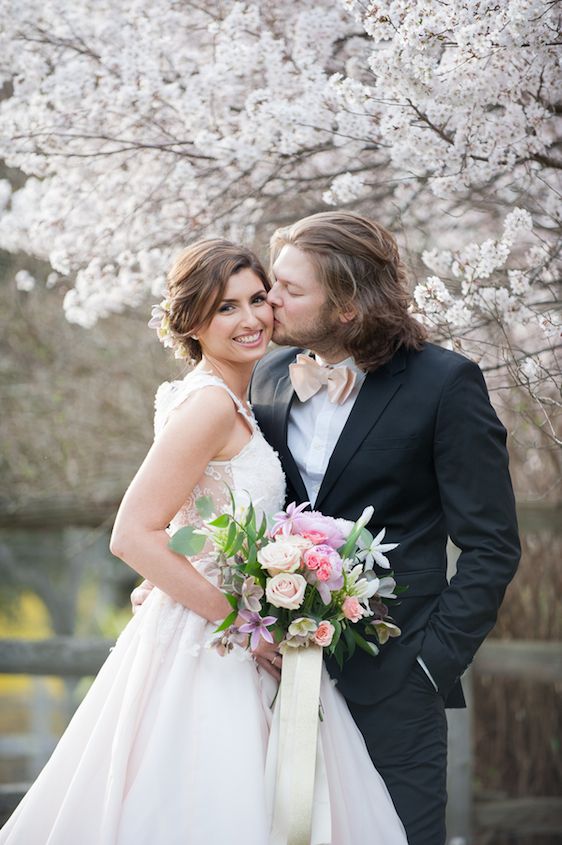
{"x":406,"y":735}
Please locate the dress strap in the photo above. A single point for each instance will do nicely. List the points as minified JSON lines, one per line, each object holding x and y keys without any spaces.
{"x":240,"y":407}
{"x":171,"y":394}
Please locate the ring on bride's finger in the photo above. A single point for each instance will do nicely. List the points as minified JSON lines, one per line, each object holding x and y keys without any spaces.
{"x":273,"y":660}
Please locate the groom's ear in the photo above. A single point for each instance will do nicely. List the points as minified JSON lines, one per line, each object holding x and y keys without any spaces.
{"x":348,"y":314}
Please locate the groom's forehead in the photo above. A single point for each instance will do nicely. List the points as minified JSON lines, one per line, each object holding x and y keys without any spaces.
{"x":293,"y":265}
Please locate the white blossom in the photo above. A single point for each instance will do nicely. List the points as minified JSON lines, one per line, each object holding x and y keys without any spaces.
{"x":24,"y":281}
{"x":345,"y":188}
{"x":137,"y":128}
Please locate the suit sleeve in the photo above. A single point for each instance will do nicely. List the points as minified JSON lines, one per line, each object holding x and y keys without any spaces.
{"x":471,"y":465}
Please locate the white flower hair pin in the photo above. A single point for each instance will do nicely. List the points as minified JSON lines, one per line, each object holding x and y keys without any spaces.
{"x":160,"y":320}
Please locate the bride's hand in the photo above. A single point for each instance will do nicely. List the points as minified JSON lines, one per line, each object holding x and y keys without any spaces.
{"x":140,"y":594}
{"x":268,"y":657}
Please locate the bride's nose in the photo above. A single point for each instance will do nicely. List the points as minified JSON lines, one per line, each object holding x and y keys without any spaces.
{"x":250,"y":319}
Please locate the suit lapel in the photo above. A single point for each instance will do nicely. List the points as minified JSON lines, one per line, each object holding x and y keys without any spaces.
{"x":282,"y":400}
{"x":377,"y":391}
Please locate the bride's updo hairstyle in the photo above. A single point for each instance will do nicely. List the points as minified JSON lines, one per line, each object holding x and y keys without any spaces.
{"x":196,"y":286}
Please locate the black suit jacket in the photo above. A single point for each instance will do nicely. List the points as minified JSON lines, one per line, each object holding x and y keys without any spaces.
{"x":424,"y":446}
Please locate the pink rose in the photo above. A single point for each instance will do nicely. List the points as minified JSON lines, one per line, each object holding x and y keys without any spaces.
{"x":352,"y":609}
{"x":324,"y":634}
{"x":320,"y":556}
{"x":286,"y":590}
{"x":324,"y":571}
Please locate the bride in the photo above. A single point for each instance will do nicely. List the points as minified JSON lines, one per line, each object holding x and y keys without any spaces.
{"x":169,"y":745}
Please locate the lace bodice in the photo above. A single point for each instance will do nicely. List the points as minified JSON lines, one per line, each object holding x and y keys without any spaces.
{"x":254,"y":472}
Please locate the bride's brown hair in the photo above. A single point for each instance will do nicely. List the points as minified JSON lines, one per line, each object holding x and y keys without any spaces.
{"x":196,"y":285}
{"x":358,"y":264}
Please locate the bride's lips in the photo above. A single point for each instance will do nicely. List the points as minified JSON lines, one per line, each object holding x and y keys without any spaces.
{"x":241,"y":340}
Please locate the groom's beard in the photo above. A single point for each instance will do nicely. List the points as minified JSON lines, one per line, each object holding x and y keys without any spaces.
{"x":322,"y":333}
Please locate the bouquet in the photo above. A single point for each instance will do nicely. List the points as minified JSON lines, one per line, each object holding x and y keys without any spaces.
{"x":309,"y":578}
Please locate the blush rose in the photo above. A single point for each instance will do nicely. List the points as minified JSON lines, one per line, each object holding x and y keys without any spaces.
{"x":324,"y":634}
{"x":286,"y":590}
{"x":352,"y":609}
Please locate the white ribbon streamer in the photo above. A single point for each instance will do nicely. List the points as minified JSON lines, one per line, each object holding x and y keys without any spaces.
{"x":295,"y":768}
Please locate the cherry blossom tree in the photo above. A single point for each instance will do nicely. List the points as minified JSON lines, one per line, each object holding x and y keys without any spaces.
{"x":140,"y":126}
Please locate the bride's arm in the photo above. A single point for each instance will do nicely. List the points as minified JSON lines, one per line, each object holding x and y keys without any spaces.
{"x":196,"y":432}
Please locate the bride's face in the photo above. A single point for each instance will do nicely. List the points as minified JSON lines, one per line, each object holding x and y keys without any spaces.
{"x":241,"y":327}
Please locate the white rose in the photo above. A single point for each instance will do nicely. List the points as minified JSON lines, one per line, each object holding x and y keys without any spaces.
{"x":286,"y":590}
{"x":279,"y":557}
{"x":297,"y":540}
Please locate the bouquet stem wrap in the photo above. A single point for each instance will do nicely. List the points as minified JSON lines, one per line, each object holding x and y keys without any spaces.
{"x":300,"y":785}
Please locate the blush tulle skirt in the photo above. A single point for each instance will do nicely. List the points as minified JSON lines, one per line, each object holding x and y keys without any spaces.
{"x":169,"y":747}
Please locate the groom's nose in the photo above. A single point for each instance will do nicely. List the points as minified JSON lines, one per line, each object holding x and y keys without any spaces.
{"x":273,"y":296}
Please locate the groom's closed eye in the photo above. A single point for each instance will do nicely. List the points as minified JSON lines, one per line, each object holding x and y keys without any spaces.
{"x":290,"y":287}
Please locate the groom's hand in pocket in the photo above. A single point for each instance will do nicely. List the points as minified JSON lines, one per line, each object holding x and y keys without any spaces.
{"x":267,"y":656}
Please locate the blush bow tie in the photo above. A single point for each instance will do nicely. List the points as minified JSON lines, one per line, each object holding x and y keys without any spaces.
{"x":308,"y":376}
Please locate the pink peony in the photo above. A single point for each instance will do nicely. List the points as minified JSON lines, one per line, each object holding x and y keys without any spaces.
{"x":324,"y":634}
{"x":352,"y":609}
{"x":315,"y":537}
{"x":306,"y":521}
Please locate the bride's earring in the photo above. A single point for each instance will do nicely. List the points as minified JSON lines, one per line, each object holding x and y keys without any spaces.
{"x":193,"y":337}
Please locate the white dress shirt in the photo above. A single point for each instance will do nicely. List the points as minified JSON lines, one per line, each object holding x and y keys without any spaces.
{"x":314,"y":428}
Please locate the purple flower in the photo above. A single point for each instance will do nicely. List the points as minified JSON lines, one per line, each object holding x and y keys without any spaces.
{"x":326,"y":588}
{"x":257,"y":626}
{"x":251,"y":595}
{"x":283,"y":520}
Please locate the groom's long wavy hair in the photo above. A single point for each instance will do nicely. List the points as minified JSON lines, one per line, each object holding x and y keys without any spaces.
{"x":358,"y":263}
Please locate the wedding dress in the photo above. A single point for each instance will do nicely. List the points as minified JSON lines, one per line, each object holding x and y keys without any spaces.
{"x":169,"y":745}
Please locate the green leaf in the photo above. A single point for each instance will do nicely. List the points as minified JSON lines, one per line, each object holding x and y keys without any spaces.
{"x":251,"y":517}
{"x":232,"y":499}
{"x":186,"y":542}
{"x":338,"y":654}
{"x":370,"y":648}
{"x":253,"y":568}
{"x":237,"y":545}
{"x":349,"y":640}
{"x":230,"y":538}
{"x":263,"y":527}
{"x":221,"y":521}
{"x":337,"y":635}
{"x":227,"y":622}
{"x":232,"y":600}
{"x":253,"y":557}
{"x":365,"y":537}
{"x":205,"y":506}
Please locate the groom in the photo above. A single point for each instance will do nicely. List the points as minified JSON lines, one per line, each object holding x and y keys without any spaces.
{"x":364,"y":411}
